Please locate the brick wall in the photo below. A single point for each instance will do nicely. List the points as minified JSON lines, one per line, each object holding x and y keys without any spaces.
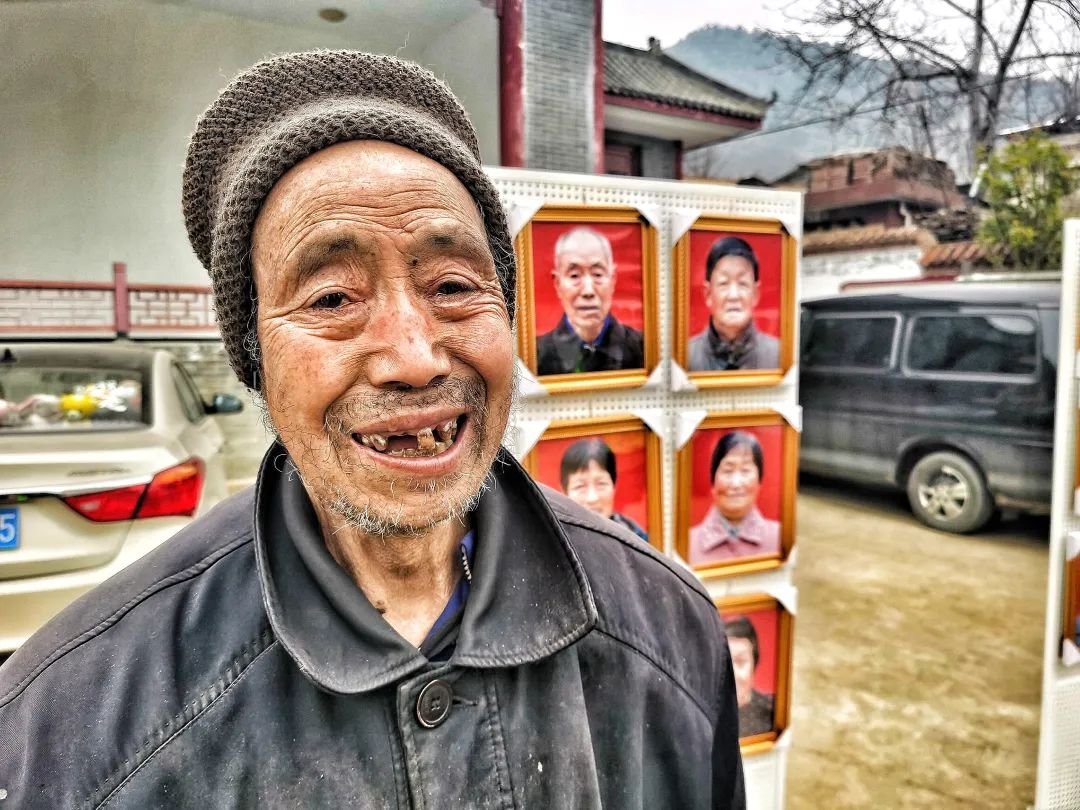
{"x":559,"y":73}
{"x":172,"y":308}
{"x":57,"y":309}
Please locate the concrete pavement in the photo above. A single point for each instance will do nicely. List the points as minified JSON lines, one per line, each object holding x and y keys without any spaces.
{"x":918,"y":658}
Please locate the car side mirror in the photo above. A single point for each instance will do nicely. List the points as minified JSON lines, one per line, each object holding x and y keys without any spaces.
{"x":225,"y":403}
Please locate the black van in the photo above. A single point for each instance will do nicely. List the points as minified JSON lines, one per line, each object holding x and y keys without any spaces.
{"x":943,"y":389}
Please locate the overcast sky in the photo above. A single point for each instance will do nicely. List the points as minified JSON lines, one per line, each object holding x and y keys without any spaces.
{"x":632,"y":22}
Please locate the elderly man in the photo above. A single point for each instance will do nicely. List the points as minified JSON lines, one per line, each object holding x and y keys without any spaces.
{"x":587,"y":337}
{"x":730,"y":341}
{"x":395,"y":615}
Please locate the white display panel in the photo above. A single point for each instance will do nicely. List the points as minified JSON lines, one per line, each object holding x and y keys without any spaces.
{"x":670,"y":207}
{"x":1058,"y":786}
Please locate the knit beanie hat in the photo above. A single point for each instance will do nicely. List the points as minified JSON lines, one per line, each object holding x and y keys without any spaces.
{"x":279,"y":112}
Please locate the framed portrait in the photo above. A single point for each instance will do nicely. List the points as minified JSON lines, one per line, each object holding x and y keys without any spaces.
{"x":609,"y":466}
{"x":759,"y":634}
{"x":736,"y":494}
{"x":587,"y":300}
{"x":1071,"y":602}
{"x":735,"y":311}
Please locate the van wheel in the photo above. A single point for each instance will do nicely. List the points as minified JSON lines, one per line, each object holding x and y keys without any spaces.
{"x":946,"y":491}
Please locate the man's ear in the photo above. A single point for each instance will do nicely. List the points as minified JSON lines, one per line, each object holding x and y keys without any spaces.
{"x":757,"y":295}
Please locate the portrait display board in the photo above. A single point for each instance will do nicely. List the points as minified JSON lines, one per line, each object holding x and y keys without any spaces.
{"x":643,"y":221}
{"x":609,"y":466}
{"x":736,"y":484}
{"x":759,"y":633}
{"x":586,"y":292}
{"x":735,"y":302}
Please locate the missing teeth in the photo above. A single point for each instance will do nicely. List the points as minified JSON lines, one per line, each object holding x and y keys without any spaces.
{"x":430,"y":441}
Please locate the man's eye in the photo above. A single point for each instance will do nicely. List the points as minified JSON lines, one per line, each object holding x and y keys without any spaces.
{"x":453,"y":288}
{"x":330,"y":301}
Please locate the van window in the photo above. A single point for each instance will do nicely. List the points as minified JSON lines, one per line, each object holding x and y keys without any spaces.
{"x":864,"y":342}
{"x":973,"y":344}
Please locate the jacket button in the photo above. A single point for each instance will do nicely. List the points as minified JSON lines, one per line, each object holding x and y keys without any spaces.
{"x":433,"y":705}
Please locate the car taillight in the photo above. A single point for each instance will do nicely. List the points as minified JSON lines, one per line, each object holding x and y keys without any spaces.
{"x":112,"y":504}
{"x":174,"y":491}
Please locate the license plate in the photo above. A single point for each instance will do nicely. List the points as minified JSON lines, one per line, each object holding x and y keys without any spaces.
{"x":9,"y":528}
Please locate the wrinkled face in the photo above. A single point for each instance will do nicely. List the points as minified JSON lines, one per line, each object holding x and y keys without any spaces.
{"x":585,"y":283}
{"x":731,"y":294}
{"x":742,"y":660}
{"x":386,"y":356}
{"x":736,"y":484}
{"x":593,"y":488}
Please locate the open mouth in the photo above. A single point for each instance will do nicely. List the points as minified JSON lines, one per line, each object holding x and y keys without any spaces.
{"x":425,"y":442}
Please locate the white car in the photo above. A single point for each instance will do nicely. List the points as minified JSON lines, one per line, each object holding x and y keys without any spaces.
{"x":105,"y":452}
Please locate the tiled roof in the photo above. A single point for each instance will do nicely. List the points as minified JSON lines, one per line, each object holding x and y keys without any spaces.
{"x":655,"y":76}
{"x":864,"y":237}
{"x":953,"y":255}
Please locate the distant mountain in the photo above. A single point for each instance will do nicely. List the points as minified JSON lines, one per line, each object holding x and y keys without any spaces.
{"x":754,"y":62}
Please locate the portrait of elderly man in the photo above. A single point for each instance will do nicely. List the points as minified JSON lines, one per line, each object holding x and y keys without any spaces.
{"x":730,"y":340}
{"x":755,"y":708}
{"x":734,"y":527}
{"x":588,"y":474}
{"x":588,"y":337}
{"x":395,"y":615}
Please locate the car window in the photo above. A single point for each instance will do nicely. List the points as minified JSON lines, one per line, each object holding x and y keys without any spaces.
{"x":973,"y":344}
{"x":863,"y":342}
{"x":54,"y":398}
{"x":189,"y":395}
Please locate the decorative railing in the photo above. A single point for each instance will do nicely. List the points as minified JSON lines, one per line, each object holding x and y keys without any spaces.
{"x":30,"y":309}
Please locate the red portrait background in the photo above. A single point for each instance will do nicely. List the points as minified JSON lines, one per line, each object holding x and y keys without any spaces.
{"x":1071,"y":630}
{"x":768,"y":249}
{"x":766,"y":624}
{"x":772,"y":446}
{"x":627,"y":304}
{"x":630,"y":468}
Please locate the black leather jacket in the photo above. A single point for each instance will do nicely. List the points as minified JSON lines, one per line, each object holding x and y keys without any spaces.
{"x":588,"y":672}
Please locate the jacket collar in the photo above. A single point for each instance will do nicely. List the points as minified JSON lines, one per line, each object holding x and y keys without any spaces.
{"x":719,"y":530}
{"x":529,"y":599}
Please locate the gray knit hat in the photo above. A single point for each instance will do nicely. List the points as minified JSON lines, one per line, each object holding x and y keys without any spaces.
{"x":279,"y":112}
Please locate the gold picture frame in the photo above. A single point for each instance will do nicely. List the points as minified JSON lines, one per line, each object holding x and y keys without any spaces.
{"x":760,"y":743}
{"x":601,"y":426}
{"x":572,"y":216}
{"x":685,"y":287}
{"x":789,"y":463}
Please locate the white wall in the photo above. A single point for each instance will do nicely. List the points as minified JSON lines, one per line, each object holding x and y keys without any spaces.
{"x":823,"y":273}
{"x":97,"y":102}
{"x":467,"y":59}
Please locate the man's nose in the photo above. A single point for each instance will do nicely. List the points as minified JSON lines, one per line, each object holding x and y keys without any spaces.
{"x":588,"y":286}
{"x":731,"y":291}
{"x":405,"y":340}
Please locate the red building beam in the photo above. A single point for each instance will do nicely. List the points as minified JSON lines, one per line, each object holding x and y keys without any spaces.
{"x":511,"y":83}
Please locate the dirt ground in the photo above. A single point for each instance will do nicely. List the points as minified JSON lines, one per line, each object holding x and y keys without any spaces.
{"x":918,"y":658}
